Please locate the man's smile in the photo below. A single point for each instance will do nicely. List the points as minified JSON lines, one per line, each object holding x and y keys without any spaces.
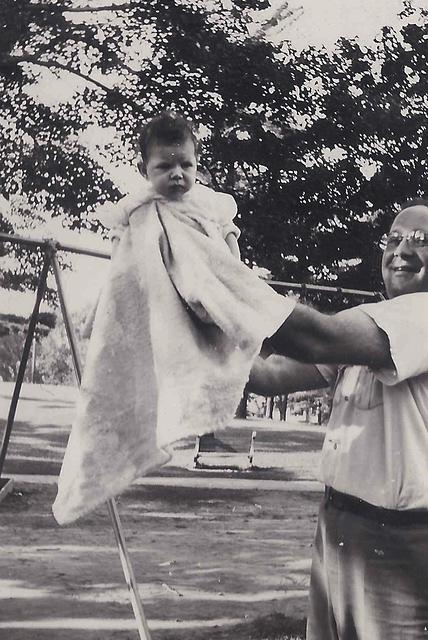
{"x":405,"y":268}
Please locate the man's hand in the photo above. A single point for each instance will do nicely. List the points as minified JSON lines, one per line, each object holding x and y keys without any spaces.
{"x":278,"y":375}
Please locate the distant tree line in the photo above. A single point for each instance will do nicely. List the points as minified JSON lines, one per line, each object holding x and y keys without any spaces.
{"x":50,"y":359}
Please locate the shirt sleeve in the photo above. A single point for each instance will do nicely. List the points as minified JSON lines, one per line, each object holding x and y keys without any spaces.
{"x":328,"y":372}
{"x":404,"y":319}
{"x":229,"y":210}
{"x":114,"y":217}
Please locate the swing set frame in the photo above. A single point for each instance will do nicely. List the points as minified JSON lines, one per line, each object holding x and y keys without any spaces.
{"x":50,"y":248}
{"x":50,"y":261}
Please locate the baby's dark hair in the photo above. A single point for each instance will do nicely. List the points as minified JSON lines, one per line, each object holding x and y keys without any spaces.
{"x":168,"y":128}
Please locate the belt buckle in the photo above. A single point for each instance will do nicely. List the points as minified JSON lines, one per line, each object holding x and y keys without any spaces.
{"x":328,"y":493}
{"x":335,"y":498}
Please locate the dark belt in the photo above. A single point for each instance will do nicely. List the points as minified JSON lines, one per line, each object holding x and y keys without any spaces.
{"x":346,"y":502}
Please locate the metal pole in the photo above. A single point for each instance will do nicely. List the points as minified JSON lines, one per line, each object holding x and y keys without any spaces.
{"x":137,"y":605}
{"x":41,"y":287}
{"x":42,"y":242}
{"x":33,"y":361}
{"x":14,"y":239}
{"x":320,"y":287}
{"x":128,"y":572}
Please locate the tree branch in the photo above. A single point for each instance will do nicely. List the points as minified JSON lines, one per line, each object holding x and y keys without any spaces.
{"x":73,"y":37}
{"x":57,"y":65}
{"x":85,"y":9}
{"x":44,"y":49}
{"x":30,"y":59}
{"x":245,"y":172}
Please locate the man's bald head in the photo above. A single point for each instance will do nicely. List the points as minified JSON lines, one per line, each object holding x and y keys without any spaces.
{"x":405,"y":259}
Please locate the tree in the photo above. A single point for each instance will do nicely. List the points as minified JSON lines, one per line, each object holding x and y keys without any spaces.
{"x":43,"y":166}
{"x":54,"y":365}
{"x":241,"y":411}
{"x":54,"y":361}
{"x":281,"y":404}
{"x":317,"y":148}
{"x":374,"y":118}
{"x":12,"y":337}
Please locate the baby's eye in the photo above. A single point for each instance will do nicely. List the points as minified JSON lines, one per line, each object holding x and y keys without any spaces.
{"x":163,"y":165}
{"x":187,"y":165}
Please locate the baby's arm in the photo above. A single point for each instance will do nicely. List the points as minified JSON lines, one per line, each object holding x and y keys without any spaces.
{"x":232,"y":242}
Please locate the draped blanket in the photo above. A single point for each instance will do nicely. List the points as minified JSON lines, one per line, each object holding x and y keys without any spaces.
{"x":178,"y":324}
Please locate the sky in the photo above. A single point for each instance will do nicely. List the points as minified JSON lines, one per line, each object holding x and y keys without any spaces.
{"x":317,"y":22}
{"x":322,"y":22}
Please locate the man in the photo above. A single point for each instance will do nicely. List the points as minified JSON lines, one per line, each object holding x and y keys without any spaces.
{"x":369,"y":578}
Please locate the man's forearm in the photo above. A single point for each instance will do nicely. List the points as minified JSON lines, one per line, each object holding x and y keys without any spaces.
{"x":348,"y":337}
{"x":278,"y":375}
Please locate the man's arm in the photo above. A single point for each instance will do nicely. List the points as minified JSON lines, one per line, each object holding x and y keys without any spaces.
{"x":277,"y":375}
{"x":347,"y":337}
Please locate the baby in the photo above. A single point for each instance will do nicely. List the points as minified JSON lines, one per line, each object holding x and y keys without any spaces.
{"x":168,"y":159}
{"x":168,"y":150}
{"x":179,"y":322}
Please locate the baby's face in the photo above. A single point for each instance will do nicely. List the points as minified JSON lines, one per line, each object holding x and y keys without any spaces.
{"x":171,"y":168}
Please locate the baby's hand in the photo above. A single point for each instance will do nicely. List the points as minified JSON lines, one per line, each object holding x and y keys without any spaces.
{"x":233,"y":245}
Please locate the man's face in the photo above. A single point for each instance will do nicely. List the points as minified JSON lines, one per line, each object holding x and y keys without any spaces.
{"x":405,"y":263}
{"x":171,"y":168}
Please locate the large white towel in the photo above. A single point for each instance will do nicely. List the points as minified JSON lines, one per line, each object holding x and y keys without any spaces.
{"x":177,"y":327}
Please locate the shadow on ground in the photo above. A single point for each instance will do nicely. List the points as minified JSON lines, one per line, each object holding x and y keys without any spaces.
{"x":211,"y":563}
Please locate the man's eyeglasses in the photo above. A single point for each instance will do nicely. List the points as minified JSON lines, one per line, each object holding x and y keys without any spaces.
{"x":416,"y":239}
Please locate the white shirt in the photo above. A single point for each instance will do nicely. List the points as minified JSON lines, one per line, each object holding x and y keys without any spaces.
{"x":376,"y":445}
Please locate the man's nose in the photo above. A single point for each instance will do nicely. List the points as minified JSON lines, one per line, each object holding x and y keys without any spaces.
{"x":403,"y":248}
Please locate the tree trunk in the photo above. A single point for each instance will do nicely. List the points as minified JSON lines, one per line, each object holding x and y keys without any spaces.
{"x":271,"y":407}
{"x":283,"y":407}
{"x":241,"y":411}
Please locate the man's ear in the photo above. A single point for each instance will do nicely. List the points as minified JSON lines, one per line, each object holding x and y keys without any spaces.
{"x":142,"y":167}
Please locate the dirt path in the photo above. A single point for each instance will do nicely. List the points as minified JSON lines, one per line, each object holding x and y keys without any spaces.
{"x":207,"y":557}
{"x":200,"y":556}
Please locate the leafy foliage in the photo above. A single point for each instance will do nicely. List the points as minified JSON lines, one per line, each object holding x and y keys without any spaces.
{"x":317,"y":148}
{"x":53,"y":364}
{"x":12,"y":337}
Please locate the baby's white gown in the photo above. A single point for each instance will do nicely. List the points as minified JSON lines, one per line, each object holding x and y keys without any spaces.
{"x":178,"y":325}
